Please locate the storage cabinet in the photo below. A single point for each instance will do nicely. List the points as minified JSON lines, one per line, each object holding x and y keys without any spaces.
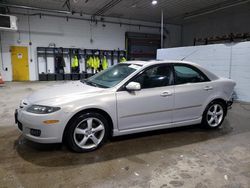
{"x":56,"y":63}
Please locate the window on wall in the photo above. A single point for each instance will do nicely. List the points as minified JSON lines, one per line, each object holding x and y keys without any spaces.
{"x":186,"y":74}
{"x":156,"y":76}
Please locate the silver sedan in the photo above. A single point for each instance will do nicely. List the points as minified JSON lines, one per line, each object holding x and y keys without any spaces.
{"x":130,"y":97}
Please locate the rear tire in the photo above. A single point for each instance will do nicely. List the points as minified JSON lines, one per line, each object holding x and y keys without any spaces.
{"x":214,"y":115}
{"x":87,"y":133}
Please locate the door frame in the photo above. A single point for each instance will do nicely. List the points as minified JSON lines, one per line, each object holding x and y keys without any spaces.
{"x":122,"y":88}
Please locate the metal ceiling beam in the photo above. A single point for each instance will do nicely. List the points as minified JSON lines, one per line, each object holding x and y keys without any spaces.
{"x":215,"y":8}
{"x":107,"y":7}
{"x":53,"y":10}
{"x":35,"y":8}
{"x":89,"y":19}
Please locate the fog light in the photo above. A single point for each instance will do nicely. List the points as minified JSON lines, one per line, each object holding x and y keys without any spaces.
{"x":35,"y":132}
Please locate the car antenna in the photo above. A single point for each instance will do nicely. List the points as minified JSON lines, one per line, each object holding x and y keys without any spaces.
{"x":189,"y":55}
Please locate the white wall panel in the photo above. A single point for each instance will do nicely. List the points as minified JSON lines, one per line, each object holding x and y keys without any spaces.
{"x":241,"y":69}
{"x":231,"y":61}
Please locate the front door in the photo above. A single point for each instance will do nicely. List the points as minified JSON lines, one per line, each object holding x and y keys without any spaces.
{"x":20,"y":65}
{"x":150,"y":106}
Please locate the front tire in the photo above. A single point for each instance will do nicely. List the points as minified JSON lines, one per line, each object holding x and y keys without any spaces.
{"x":214,"y":115}
{"x":87,"y":133}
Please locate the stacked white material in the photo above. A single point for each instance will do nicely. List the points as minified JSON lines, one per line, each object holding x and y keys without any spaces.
{"x":225,"y":60}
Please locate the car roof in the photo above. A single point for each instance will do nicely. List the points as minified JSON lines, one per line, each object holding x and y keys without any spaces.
{"x":153,"y":62}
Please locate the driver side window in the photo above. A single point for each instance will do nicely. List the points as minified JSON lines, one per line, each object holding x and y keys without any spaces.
{"x":156,"y":76}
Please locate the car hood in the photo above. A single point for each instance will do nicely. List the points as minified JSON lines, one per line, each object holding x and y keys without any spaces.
{"x":62,"y":93}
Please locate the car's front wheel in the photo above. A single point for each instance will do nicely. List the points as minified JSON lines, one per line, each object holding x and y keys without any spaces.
{"x":214,"y":115}
{"x":87,"y":133}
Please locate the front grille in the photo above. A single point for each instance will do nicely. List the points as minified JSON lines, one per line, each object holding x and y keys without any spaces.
{"x":35,"y":132}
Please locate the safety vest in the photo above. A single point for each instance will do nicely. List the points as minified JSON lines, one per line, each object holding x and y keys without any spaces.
{"x":75,"y":62}
{"x":96,"y":63}
{"x":104,"y":63}
{"x":90,"y":62}
{"x":123,"y":59}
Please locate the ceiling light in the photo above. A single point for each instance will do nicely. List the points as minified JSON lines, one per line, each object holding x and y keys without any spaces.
{"x":154,"y":2}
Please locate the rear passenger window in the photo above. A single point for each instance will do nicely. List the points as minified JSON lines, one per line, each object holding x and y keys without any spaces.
{"x":185,"y":74}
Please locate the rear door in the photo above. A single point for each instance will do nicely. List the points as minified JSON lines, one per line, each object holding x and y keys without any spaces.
{"x":153,"y":104}
{"x":192,"y":88}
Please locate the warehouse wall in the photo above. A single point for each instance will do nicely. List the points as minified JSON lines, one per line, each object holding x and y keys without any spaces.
{"x":225,"y":60}
{"x":71,"y":33}
{"x":230,"y":20}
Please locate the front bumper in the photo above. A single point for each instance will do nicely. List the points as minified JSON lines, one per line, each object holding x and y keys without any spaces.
{"x":32,"y":126}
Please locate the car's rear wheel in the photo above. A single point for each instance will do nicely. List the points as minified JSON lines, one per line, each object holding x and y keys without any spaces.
{"x":88,"y":132}
{"x":214,"y":115}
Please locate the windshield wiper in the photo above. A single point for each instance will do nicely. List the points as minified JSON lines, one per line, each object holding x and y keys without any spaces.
{"x":93,"y":84}
{"x":90,"y":83}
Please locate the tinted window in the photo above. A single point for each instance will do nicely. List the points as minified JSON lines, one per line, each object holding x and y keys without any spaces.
{"x":185,"y":74}
{"x":113,"y":75}
{"x":157,"y":76}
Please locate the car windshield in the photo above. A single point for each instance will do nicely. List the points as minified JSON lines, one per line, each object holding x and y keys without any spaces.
{"x":112,"y":76}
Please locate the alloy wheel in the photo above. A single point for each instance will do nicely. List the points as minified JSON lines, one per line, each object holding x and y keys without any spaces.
{"x":89,"y":133}
{"x":215,"y":115}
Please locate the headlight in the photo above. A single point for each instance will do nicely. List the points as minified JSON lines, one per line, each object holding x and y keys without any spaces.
{"x":39,"y":109}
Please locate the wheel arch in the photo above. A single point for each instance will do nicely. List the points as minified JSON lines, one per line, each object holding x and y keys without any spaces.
{"x":218,"y":99}
{"x":88,"y":110}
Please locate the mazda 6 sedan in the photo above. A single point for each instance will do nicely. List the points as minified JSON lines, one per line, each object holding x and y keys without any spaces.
{"x":130,"y":97}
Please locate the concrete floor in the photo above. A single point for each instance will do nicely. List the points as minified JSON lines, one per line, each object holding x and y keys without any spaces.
{"x":183,"y":157}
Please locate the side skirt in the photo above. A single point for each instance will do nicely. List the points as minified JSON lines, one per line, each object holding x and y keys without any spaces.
{"x":117,"y":132}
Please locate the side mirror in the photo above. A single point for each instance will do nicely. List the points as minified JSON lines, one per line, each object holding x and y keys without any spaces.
{"x":133,"y":86}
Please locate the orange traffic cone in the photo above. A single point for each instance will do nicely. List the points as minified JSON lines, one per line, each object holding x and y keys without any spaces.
{"x":1,"y":80}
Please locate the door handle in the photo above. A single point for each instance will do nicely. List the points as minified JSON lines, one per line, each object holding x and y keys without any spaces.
{"x":166,"y":93}
{"x":207,"y":88}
